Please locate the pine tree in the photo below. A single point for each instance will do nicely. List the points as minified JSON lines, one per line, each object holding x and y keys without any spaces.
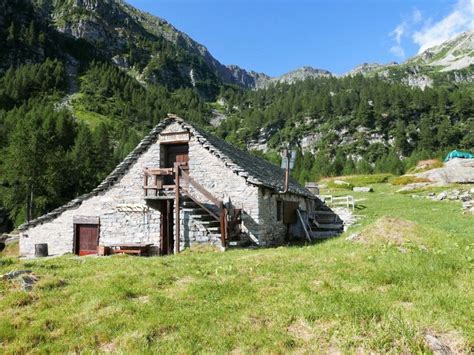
{"x":12,"y":33}
{"x":104,"y":156}
{"x":83,"y":157}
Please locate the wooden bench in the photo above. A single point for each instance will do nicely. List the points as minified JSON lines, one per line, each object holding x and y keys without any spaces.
{"x":130,"y":249}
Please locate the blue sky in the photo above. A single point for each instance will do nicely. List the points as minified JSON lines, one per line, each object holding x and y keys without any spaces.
{"x":276,"y":36}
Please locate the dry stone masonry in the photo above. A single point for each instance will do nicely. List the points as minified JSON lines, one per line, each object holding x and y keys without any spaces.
{"x":124,"y":215}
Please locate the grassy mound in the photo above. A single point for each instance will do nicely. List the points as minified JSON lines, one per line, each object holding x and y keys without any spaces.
{"x":391,"y":231}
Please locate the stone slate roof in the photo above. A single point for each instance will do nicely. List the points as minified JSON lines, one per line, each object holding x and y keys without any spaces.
{"x":255,"y":170}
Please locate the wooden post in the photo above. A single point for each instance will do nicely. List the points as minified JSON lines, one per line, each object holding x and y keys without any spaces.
{"x":177,"y":218}
{"x":223,"y":223}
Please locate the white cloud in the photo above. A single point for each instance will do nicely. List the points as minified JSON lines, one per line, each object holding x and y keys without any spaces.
{"x":398,"y":51}
{"x":397,"y":35}
{"x":398,"y":32}
{"x":417,"y":16}
{"x":459,"y":20}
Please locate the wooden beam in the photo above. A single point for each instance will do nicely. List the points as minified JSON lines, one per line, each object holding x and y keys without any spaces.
{"x":177,"y":218}
{"x":201,"y":189}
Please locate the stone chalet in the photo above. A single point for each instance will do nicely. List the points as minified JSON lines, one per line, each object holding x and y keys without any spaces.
{"x":178,"y":188}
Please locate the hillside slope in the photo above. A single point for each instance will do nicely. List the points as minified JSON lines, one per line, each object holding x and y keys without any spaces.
{"x":408,"y":278}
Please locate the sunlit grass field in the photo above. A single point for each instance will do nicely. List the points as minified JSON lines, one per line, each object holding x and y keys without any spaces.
{"x":336,"y":295}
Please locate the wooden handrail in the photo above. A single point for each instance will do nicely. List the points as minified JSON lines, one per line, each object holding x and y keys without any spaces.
{"x":201,"y":189}
{"x":183,"y":181}
{"x":200,"y":204}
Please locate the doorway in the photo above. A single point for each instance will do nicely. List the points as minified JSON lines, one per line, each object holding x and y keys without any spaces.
{"x":166,"y":226}
{"x":174,"y":153}
{"x":87,"y":239}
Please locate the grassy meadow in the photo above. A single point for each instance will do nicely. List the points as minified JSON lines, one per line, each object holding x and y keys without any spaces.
{"x":409,"y":274}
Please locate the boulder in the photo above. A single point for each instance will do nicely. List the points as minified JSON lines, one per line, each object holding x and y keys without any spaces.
{"x":341,"y":182}
{"x":362,"y":189}
{"x":442,"y":196}
{"x":454,"y":171}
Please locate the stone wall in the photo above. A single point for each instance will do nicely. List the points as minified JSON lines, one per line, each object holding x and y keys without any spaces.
{"x":125,"y":217}
{"x":272,"y":231}
{"x":225,"y":185}
{"x":117,"y":223}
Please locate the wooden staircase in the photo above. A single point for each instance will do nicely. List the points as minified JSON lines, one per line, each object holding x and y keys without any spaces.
{"x":202,"y":217}
{"x":320,"y":224}
{"x":325,"y":224}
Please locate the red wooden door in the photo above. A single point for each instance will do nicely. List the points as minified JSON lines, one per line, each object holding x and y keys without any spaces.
{"x":87,"y":236}
{"x":176,"y":153}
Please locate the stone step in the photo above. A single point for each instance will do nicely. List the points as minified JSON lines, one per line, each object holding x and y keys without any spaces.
{"x":202,"y":217}
{"x":327,"y":219}
{"x":337,"y":226}
{"x":210,"y":223}
{"x":323,"y":212}
{"x":324,"y":234}
{"x":189,"y":203}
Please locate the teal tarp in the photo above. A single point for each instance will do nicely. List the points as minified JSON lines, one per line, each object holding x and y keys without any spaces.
{"x":458,"y":154}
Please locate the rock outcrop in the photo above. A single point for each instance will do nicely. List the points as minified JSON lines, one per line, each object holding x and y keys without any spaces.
{"x":454,"y":171}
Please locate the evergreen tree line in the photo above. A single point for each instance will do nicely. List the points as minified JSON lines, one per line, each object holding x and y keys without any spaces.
{"x":50,"y":155}
{"x":362,"y":124}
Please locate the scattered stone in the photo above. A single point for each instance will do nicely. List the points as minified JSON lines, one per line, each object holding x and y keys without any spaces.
{"x":431,"y":194}
{"x":28,"y":281}
{"x":465,"y":197}
{"x":442,"y":196}
{"x":414,"y":186}
{"x":436,"y":345}
{"x":353,"y":236}
{"x":346,"y":215}
{"x":362,"y":189}
{"x":14,"y":274}
{"x":341,"y":182}
{"x":402,"y":250}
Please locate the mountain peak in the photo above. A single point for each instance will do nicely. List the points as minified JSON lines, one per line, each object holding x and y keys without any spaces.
{"x":454,"y":54}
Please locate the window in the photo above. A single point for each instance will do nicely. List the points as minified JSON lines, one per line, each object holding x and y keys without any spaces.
{"x":279,"y":210}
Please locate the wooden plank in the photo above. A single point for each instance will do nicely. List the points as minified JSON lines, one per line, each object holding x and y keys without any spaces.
{"x":304,"y":225}
{"x":201,"y":204}
{"x":223,"y":224}
{"x":177,"y":218}
{"x":201,"y":189}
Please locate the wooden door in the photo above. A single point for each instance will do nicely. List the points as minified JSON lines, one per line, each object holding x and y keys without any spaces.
{"x":87,"y":237}
{"x":176,"y":153}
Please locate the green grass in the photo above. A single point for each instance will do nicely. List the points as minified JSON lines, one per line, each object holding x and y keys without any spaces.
{"x":335,"y":295}
{"x":10,"y":250}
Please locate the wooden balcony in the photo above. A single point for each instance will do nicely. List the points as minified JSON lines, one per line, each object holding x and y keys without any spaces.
{"x":170,"y":183}
{"x":158,"y":183}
